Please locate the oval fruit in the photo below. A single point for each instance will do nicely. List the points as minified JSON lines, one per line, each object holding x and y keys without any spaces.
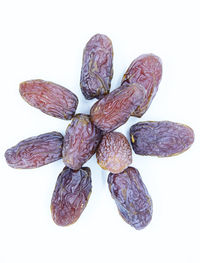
{"x":131,"y":197}
{"x":36,"y":151}
{"x":114,"y":152}
{"x":50,"y":98}
{"x":70,"y":196}
{"x":114,"y":109}
{"x":160,"y":138}
{"x":80,"y":142}
{"x":97,"y":67}
{"x":145,"y":70}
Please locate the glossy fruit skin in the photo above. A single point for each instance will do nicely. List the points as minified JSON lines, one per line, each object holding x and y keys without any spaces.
{"x":50,"y":98}
{"x":114,"y":109}
{"x":80,"y":141}
{"x":35,"y":151}
{"x":145,"y":70}
{"x":160,"y":138}
{"x":131,"y":197}
{"x":70,"y":196}
{"x":97,"y":67}
{"x":114,"y":152}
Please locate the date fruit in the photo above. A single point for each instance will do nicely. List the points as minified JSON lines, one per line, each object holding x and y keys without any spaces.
{"x":92,"y":133}
{"x":115,"y":108}
{"x":131,"y":196}
{"x":160,"y":138}
{"x":145,"y":70}
{"x":114,"y":152}
{"x":50,"y":98}
{"x":97,"y":67}
{"x":80,"y":142}
{"x":36,"y":151}
{"x":70,"y":196}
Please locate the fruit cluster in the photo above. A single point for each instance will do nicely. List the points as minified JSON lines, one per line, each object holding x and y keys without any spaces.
{"x":94,"y":133}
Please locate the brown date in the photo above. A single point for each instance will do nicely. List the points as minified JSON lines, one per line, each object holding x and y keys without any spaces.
{"x":114,"y":152}
{"x":131,"y":196}
{"x":36,"y":151}
{"x":145,"y":70}
{"x":70,"y":196}
{"x":80,"y":142}
{"x":160,"y":138}
{"x":115,"y":108}
{"x":50,"y":98}
{"x":97,"y":67}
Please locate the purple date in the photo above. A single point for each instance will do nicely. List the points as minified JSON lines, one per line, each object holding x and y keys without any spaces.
{"x":145,"y":70}
{"x":160,"y":138}
{"x":80,"y":142}
{"x":36,"y":151}
{"x":131,"y":196}
{"x":97,"y":67}
{"x":114,"y":109}
{"x":70,"y":196}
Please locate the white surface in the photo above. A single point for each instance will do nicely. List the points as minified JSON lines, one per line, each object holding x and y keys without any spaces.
{"x":45,"y":39}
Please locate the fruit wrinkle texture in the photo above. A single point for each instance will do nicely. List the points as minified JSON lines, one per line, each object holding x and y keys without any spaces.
{"x":80,"y":141}
{"x":145,"y":70}
{"x":160,"y":138}
{"x":131,"y":197}
{"x":97,"y":67}
{"x":114,"y":152}
{"x":36,"y":151}
{"x":50,"y":98}
{"x":70,"y":196}
{"x":115,"y":108}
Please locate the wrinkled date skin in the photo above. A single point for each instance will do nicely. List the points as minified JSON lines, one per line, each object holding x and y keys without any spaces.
{"x":114,"y":152}
{"x":97,"y":67}
{"x":147,"y":71}
{"x":70,"y":196}
{"x":131,"y":196}
{"x":80,"y":141}
{"x":160,"y":138}
{"x":36,"y":151}
{"x":50,"y":98}
{"x":114,"y":109}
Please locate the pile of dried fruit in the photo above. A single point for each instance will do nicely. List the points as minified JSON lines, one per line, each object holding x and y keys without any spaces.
{"x":87,"y":134}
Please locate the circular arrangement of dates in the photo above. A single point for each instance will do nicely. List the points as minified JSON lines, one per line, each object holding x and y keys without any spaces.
{"x":94,"y":133}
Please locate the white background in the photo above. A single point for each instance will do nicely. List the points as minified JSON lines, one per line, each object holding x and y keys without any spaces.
{"x":45,"y":39}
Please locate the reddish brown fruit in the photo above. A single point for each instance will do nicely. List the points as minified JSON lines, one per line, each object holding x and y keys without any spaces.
{"x":70,"y":196}
{"x":80,"y":142}
{"x":50,"y":98}
{"x":115,"y":108}
{"x":36,"y":151}
{"x":114,"y":152}
{"x":97,"y":70}
{"x":145,"y":70}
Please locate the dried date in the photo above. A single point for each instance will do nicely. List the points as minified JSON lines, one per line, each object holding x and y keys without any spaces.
{"x":146,"y":70}
{"x":115,"y":108}
{"x":84,"y":134}
{"x":70,"y":196}
{"x":131,"y":196}
{"x":160,"y":138}
{"x":97,"y":67}
{"x":50,"y":98}
{"x":80,"y":142}
{"x":114,"y":152}
{"x":36,"y":151}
